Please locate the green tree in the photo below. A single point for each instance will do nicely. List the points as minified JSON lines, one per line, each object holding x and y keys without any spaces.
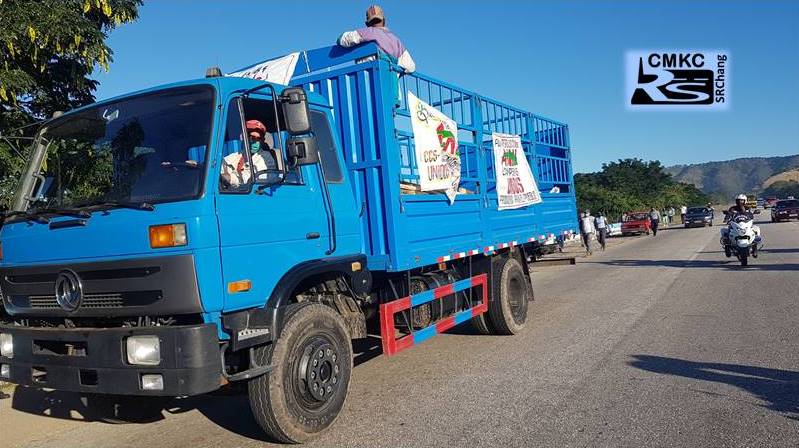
{"x":48,"y":51}
{"x":633,"y":184}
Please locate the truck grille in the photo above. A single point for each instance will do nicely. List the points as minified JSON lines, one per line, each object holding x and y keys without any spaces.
{"x":91,"y":301}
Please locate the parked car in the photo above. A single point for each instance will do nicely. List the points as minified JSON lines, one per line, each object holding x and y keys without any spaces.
{"x":699,"y":216}
{"x":614,"y":229}
{"x":785,"y":210}
{"x":770,"y":202}
{"x":636,"y":223}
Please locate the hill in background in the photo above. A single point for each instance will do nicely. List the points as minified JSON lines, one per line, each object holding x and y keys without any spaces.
{"x":727,"y":178}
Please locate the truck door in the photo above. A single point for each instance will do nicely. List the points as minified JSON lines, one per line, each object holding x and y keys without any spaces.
{"x":264,"y":231}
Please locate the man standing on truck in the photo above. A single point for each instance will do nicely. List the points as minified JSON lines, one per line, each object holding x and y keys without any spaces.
{"x":376,"y":31}
{"x":236,"y":170}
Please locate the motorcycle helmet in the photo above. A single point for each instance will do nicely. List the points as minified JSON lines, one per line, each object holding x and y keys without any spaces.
{"x":740,"y":200}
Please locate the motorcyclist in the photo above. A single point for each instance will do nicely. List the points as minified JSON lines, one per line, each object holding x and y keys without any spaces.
{"x":738,"y":209}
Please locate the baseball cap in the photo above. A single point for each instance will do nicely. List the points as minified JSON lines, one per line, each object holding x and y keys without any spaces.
{"x":374,"y":14}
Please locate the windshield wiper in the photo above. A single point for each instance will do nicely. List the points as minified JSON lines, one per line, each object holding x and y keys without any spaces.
{"x":27,"y":216}
{"x":75,"y":213}
{"x":146,"y":206}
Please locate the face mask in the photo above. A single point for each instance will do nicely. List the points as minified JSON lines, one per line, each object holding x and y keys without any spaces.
{"x":255,"y":146}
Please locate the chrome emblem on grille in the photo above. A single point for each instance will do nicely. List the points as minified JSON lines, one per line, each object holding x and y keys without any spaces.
{"x":68,"y":290}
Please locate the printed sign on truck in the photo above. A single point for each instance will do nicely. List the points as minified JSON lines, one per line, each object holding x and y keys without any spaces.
{"x":516,"y":186}
{"x":435,"y":138}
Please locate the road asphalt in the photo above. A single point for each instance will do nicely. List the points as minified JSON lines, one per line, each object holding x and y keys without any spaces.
{"x":658,"y":341}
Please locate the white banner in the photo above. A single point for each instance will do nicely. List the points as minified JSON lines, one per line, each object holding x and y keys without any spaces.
{"x":279,"y":70}
{"x":436,"y":140}
{"x":516,"y":185}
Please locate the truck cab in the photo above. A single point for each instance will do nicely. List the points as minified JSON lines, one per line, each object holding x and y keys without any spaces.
{"x":124,"y":228}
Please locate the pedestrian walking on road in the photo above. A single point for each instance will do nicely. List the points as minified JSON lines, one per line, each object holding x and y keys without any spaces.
{"x":587,"y":230}
{"x":684,"y":210}
{"x":601,"y":224}
{"x":654,"y":219}
{"x":670,"y":212}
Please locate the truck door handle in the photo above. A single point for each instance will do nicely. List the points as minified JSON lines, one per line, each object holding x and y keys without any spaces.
{"x":311,"y":235}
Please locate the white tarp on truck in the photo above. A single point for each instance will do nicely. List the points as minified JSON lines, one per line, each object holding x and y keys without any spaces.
{"x":278,"y":70}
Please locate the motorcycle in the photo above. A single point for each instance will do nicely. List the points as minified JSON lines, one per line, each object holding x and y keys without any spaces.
{"x":741,"y":237}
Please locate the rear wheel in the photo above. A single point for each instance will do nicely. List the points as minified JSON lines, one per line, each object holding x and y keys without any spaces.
{"x":305,"y":392}
{"x":510,"y":296}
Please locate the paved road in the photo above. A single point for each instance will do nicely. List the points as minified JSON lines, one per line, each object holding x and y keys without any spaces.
{"x":656,"y":342}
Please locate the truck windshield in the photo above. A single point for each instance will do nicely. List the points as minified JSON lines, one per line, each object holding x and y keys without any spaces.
{"x":144,"y":149}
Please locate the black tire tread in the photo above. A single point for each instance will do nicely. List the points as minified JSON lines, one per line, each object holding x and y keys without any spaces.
{"x":496,"y":313}
{"x":265,"y":414}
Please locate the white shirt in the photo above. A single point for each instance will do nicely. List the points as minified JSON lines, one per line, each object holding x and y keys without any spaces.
{"x":601,"y":222}
{"x":683,"y":210}
{"x":588,"y":224}
{"x":240,"y":174}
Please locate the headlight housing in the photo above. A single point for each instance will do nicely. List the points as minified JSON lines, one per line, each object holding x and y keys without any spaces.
{"x":6,"y":345}
{"x":143,"y":350}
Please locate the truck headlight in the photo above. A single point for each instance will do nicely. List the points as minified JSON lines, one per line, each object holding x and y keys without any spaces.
{"x":6,"y":345}
{"x":143,"y":350}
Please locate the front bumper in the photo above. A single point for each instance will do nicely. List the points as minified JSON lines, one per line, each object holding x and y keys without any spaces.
{"x":93,"y":360}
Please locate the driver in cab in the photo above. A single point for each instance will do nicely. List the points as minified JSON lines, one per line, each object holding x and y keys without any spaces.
{"x":236,"y":170}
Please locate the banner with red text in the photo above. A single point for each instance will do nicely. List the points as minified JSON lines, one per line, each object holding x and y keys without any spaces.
{"x":516,"y":185}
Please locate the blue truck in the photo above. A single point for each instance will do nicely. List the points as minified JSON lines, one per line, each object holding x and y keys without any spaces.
{"x":131,"y":270}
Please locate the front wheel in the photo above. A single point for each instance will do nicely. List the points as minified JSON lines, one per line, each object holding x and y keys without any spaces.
{"x":743,"y":255}
{"x":307,"y":389}
{"x":727,"y":251}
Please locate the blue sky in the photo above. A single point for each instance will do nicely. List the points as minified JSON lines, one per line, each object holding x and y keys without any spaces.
{"x":562,"y":59}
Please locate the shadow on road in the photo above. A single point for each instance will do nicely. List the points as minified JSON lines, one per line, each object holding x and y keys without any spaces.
{"x":779,"y":389}
{"x":228,"y":407}
{"x":791,"y":250}
{"x":730,"y":264}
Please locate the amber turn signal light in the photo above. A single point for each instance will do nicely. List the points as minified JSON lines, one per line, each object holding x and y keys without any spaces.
{"x":168,"y":235}
{"x":239,"y":286}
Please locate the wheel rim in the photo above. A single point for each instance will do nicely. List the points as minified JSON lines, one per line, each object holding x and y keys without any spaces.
{"x":318,"y":373}
{"x":517,"y":298}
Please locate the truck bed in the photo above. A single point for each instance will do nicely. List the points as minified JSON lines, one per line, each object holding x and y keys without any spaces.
{"x":404,"y":231}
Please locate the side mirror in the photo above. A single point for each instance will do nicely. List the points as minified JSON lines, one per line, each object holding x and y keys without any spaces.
{"x":295,"y":111}
{"x":302,"y":150}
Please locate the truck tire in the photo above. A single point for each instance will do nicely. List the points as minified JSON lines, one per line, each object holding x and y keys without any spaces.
{"x":481,"y":324}
{"x":510,"y":296}
{"x":307,"y":389}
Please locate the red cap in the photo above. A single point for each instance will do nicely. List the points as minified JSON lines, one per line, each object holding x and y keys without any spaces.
{"x":255,"y":125}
